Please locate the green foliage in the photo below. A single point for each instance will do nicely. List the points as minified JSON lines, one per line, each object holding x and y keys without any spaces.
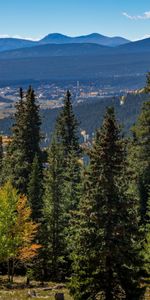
{"x":88,"y":216}
{"x":16,"y":228}
{"x":146,"y":242}
{"x":53,"y":213}
{"x":67,"y":127}
{"x":147,"y":87}
{"x":141,"y":156}
{"x":105,"y":255}
{"x":35,"y":189}
{"x":25,"y":142}
{"x":8,"y":216}
{"x":62,"y":190}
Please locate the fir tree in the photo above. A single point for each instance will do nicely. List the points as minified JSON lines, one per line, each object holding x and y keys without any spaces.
{"x":61,"y":197}
{"x":32,"y":126}
{"x":146,"y":244}
{"x":25,"y":142}
{"x":105,"y":245}
{"x":35,"y":190}
{"x":53,"y":215}
{"x":67,"y":127}
{"x":140,"y":157}
{"x":67,"y":139}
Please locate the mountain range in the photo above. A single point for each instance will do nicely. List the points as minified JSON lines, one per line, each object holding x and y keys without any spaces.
{"x":59,"y":57}
{"x":57,"y":38}
{"x":76,"y":49}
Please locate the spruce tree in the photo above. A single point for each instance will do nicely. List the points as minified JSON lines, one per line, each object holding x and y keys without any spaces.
{"x":32,"y":126}
{"x":62,"y":190}
{"x":140,"y":157}
{"x":105,"y":245}
{"x":67,"y":127}
{"x":35,"y":189}
{"x":25,"y":141}
{"x":67,"y":138}
{"x":146,"y":244}
{"x":53,"y":215}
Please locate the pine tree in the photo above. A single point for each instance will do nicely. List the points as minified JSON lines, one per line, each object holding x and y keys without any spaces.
{"x":146,"y":244}
{"x":67,"y":127}
{"x":53,"y":215}
{"x":35,"y":190}
{"x":67,"y":138}
{"x":140,"y":153}
{"x":105,"y":245}
{"x":25,"y":142}
{"x":32,"y":126}
{"x":61,"y":194}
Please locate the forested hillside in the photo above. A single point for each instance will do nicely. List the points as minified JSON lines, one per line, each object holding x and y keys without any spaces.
{"x":81,"y":222}
{"x":90,"y":114}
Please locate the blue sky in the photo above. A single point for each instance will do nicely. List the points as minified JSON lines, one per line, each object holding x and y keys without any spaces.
{"x":36,"y":18}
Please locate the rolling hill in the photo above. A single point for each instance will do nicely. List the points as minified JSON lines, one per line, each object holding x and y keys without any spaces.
{"x":57,"y":50}
{"x":7,"y":44}
{"x":123,"y":65}
{"x":94,"y":38}
{"x":75,"y":49}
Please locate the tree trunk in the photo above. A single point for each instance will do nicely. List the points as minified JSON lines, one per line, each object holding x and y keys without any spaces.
{"x":28,"y":281}
{"x":8,"y":264}
{"x":12,"y":270}
{"x":109,"y":290}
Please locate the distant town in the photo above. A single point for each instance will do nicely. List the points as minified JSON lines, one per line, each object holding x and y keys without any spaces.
{"x":51,"y":95}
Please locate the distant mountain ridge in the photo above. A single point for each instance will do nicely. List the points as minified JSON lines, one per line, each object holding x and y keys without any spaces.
{"x":7,"y":44}
{"x":45,"y":49}
{"x":93,"y":38}
{"x":75,"y":61}
{"x":52,"y":50}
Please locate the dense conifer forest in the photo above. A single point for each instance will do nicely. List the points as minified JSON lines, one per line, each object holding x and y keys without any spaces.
{"x":78,"y":213}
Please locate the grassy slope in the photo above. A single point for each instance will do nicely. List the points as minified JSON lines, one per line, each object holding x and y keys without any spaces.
{"x":19,"y":291}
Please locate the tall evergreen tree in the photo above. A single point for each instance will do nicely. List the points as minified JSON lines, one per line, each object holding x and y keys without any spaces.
{"x":32,"y":124}
{"x":25,"y":142}
{"x":140,"y":156}
{"x":146,"y":244}
{"x":67,"y":138}
{"x":62,"y":189}
{"x":35,"y":189}
{"x":105,"y":246}
{"x":53,"y":215}
{"x":67,"y":127}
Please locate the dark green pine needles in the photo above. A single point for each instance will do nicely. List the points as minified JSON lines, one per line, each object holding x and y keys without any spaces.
{"x":105,"y":255}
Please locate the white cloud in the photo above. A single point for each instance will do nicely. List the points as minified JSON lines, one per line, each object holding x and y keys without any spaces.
{"x":145,"y":16}
{"x":146,"y":36}
{"x":19,"y":37}
{"x":4,"y":36}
